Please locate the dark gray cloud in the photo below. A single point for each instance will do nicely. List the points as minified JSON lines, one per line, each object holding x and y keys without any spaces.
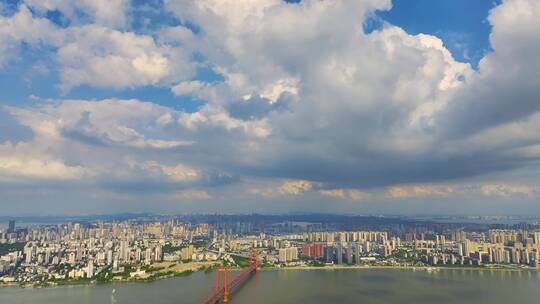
{"x":257,"y":107}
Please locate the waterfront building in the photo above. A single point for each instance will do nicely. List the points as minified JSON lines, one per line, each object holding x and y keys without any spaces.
{"x":329,"y":254}
{"x":339,"y":254}
{"x":357,"y":253}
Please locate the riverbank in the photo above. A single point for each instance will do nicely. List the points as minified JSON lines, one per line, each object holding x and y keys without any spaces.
{"x":167,"y":270}
{"x":406,"y":267}
{"x":145,"y":274}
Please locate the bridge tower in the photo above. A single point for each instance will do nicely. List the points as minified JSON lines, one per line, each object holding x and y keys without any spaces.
{"x":222,"y":292}
{"x":254,"y":261}
{"x":225,"y":272}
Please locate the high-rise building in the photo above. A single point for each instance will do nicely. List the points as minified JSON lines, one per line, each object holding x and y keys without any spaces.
{"x":507,"y":257}
{"x":292,"y":253}
{"x":187,"y":252}
{"x":387,"y":250}
{"x":109,"y":257}
{"x":282,"y":256}
{"x":525,"y":259}
{"x":72,"y":258}
{"x":312,"y":250}
{"x":306,"y":250}
{"x":460,"y":249}
{"x":536,"y":237}
{"x":357,"y":253}
{"x":148,"y":256}
{"x":328,"y":254}
{"x":124,"y":251}
{"x":288,"y":254}
{"x":349,"y":255}
{"x":367,"y":247}
{"x":90,"y":269}
{"x":339,"y":254}
{"x":11,"y":227}
{"x":158,"y":255}
{"x":467,"y":248}
{"x":28,"y":253}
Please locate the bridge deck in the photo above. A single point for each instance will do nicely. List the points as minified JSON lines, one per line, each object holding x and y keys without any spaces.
{"x":218,"y":295}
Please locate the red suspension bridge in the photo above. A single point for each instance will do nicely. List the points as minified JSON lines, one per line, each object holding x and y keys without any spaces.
{"x":224,"y":287}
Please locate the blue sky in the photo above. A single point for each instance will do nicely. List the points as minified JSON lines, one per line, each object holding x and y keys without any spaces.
{"x":374,"y":106}
{"x":461,"y":24}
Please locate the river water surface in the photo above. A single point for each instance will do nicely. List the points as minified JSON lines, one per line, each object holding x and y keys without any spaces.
{"x":308,"y":286}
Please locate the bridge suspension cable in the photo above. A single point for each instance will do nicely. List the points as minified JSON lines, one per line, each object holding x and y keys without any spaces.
{"x":222,"y":291}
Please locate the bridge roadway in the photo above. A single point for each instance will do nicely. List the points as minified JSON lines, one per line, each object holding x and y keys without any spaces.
{"x":221,"y":293}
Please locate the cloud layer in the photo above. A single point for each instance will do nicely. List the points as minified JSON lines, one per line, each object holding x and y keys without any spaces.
{"x":303,"y":107}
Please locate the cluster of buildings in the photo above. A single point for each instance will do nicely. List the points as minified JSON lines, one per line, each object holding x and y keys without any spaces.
{"x":74,"y":251}
{"x":519,"y":247}
{"x":107,"y":249}
{"x":344,"y":247}
{"x":455,"y":247}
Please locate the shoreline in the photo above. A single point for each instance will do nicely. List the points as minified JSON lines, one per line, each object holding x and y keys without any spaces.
{"x":413,"y":268}
{"x":429,"y":269}
{"x":73,"y":283}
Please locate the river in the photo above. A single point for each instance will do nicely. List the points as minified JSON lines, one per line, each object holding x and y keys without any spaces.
{"x":308,"y":286}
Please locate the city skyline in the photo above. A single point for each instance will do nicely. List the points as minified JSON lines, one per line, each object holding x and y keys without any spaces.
{"x":269,"y":106}
{"x":147,"y":248}
{"x":218,"y":258}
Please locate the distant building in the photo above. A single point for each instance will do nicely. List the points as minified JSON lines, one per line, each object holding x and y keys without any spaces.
{"x":329,"y":254}
{"x":349,"y":255}
{"x":339,"y":254}
{"x":467,"y":248}
{"x":460,"y":249}
{"x":357,"y":253}
{"x":313,"y":250}
{"x":11,"y":227}
{"x":90,"y":269}
{"x":187,"y":253}
{"x":282,"y":257}
{"x":367,"y":247}
{"x":288,"y":254}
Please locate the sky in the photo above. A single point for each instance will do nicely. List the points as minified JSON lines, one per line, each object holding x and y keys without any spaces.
{"x":237,"y":106}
